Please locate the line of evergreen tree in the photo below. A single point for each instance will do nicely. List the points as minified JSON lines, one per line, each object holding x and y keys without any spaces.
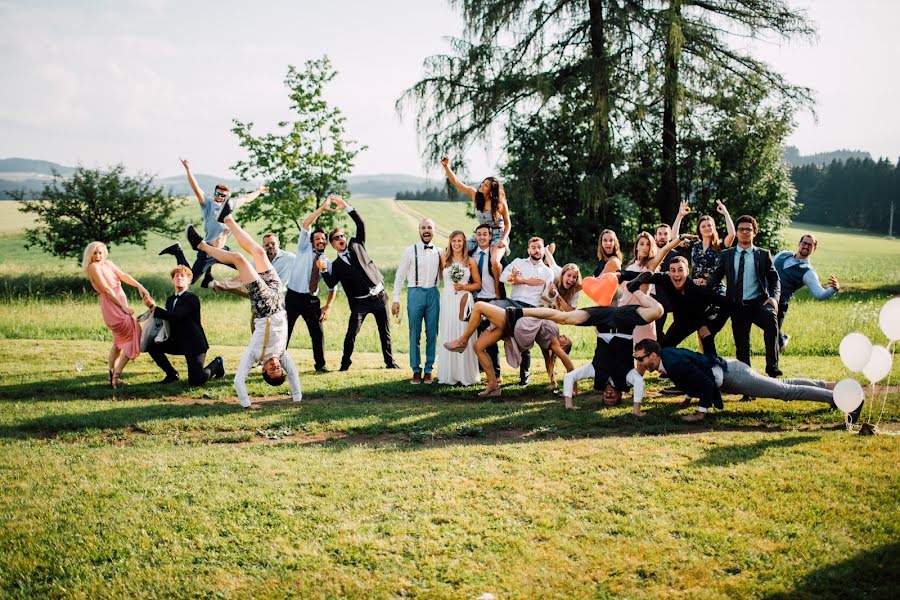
{"x":855,"y":193}
{"x":431,"y":193}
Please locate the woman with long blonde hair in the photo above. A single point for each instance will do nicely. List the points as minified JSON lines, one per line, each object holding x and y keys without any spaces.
{"x":106,"y":279}
{"x":461,"y":281}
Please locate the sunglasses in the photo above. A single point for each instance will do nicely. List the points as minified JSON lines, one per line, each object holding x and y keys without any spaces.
{"x":640,"y":358}
{"x":268,"y":244}
{"x":339,"y":236}
{"x":220,"y":194}
{"x":745,"y":230}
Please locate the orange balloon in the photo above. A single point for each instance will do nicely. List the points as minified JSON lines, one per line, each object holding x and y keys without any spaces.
{"x":601,"y":289}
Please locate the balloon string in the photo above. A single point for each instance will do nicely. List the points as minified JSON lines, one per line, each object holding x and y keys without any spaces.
{"x":887,"y":384}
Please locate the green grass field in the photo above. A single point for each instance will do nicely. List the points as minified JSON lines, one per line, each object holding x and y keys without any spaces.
{"x":374,"y":488}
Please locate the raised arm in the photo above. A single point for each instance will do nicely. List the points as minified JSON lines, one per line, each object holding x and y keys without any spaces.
{"x":454,"y":180}
{"x":238,"y":202}
{"x":683,"y":209}
{"x":503,"y":209}
{"x":657,"y":260}
{"x":729,"y":223}
{"x":314,"y":215}
{"x":191,"y":180}
{"x":339,"y":204}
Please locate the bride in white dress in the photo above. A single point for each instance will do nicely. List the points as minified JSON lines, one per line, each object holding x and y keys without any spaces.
{"x":456,"y":303}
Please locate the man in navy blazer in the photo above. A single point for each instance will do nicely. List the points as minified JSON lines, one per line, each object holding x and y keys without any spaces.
{"x":753,"y":289}
{"x":186,"y":335}
{"x":363,"y":283}
{"x":706,"y":376}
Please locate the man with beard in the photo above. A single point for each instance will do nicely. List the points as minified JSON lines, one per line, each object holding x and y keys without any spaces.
{"x":528,"y":278}
{"x":362,"y":282}
{"x":664,"y":236}
{"x":420,"y":267}
{"x":302,"y":298}
{"x":491,"y":288}
{"x":795,"y":271}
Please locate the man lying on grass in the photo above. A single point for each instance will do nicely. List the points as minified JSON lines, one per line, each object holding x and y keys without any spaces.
{"x":706,"y":376}
{"x":268,"y":345}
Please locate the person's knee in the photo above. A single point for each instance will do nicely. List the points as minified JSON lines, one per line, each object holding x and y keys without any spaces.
{"x":198,"y":379}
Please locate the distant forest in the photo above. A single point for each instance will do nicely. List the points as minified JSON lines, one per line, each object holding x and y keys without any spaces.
{"x":856,"y":193}
{"x":445,"y":193}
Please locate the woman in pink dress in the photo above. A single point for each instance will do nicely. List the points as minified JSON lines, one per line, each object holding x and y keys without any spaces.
{"x":106,"y":280}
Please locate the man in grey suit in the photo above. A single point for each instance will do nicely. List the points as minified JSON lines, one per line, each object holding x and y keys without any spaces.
{"x":753,"y":289}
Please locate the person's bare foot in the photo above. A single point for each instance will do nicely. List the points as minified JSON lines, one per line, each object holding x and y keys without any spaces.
{"x":697,"y":416}
{"x":253,"y":407}
{"x":551,"y":247}
{"x":490,"y":392}
{"x":684,"y":403}
{"x":638,"y":413}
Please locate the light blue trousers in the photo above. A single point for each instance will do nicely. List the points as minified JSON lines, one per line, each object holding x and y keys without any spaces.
{"x":423,"y":305}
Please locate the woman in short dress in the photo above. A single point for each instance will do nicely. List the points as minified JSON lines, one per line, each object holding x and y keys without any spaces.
{"x":106,"y":279}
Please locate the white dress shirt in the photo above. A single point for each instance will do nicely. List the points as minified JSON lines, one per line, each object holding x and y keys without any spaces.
{"x":587,"y":372}
{"x":488,"y":290}
{"x":429,"y":266}
{"x":520,"y":292}
{"x":254,"y":354}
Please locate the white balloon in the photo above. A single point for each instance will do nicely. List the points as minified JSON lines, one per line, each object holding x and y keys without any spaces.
{"x":889,"y":319}
{"x":879,"y":364}
{"x":848,"y":395}
{"x":855,"y":351}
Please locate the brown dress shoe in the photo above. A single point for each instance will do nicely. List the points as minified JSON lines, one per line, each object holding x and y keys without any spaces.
{"x":427,"y":379}
{"x":417,"y":379}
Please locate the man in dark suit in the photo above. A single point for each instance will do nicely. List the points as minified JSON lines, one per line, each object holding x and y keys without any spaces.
{"x":186,"y":335}
{"x":362,"y":282}
{"x":706,"y":376}
{"x":753,"y":289}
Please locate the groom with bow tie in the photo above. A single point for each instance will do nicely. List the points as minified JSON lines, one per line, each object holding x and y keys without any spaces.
{"x":362,"y":282}
{"x":421,"y":266}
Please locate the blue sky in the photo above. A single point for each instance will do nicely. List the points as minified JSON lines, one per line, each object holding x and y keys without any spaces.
{"x":145,"y":81}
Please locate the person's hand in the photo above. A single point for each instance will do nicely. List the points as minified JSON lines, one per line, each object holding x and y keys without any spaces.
{"x":184,"y":162}
{"x":503,"y":243}
{"x":263,"y":189}
{"x":458,"y":287}
{"x":321,"y":264}
{"x":395,"y":308}
{"x":720,"y":207}
{"x":148,"y":301}
{"x":771,"y":302}
{"x":128,"y":310}
{"x":704,"y":332}
{"x":684,"y":209}
{"x":534,"y":281}
{"x":833,"y":282}
{"x":445,"y":161}
{"x":700,"y":281}
{"x":514,"y":275}
{"x":324,"y":314}
{"x":326,"y":206}
{"x":338,"y":201}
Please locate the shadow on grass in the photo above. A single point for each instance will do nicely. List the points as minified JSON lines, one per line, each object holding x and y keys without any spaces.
{"x":874,"y":573}
{"x":724,"y":456}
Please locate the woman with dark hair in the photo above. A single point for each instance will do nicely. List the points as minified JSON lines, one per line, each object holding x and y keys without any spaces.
{"x":706,"y":248}
{"x":490,"y":209}
{"x":609,"y":253}
{"x":647,"y":257}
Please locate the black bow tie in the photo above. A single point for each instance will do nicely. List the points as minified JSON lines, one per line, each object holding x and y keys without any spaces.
{"x":427,"y":247}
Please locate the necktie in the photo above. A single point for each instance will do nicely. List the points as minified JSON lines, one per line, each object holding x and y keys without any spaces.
{"x":739,"y":280}
{"x":346,"y":256}
{"x":481,"y":262}
{"x":314,"y":276}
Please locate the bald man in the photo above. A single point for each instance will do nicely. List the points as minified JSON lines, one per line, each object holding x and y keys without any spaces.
{"x":420,"y":269}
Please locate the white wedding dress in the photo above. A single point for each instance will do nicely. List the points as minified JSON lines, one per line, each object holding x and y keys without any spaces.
{"x":456,"y":367}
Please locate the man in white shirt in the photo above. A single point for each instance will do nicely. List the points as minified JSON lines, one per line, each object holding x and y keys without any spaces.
{"x":612,"y":371}
{"x":488,"y":292}
{"x":528,"y":278}
{"x":268,"y":344}
{"x":420,"y":268}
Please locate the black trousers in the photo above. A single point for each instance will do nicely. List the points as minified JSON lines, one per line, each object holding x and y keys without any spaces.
{"x":782,"y":311}
{"x":359,"y":309}
{"x":492,"y":350}
{"x":680,"y":330}
{"x":197,"y":373}
{"x":760,"y":313}
{"x":308,"y":307}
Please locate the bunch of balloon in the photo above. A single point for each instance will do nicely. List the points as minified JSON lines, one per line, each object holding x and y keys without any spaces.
{"x":860,"y":355}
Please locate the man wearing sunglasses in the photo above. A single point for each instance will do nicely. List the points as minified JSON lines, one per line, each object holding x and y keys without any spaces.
{"x":215,"y":233}
{"x":363,"y":283}
{"x":706,"y":377}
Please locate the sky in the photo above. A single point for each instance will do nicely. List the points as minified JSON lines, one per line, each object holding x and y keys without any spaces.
{"x":145,"y":81}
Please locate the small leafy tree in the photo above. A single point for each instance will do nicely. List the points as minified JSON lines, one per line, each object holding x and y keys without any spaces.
{"x":110,"y":206}
{"x":304,"y":162}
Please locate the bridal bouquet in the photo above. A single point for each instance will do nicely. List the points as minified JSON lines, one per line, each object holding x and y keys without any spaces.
{"x":457,"y":272}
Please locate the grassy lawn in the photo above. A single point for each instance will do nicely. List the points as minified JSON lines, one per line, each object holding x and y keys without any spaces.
{"x":371,"y":487}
